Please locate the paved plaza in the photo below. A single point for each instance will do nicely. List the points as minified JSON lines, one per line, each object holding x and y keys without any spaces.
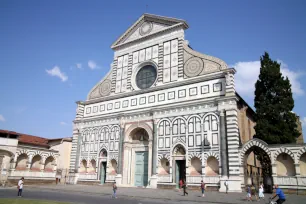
{"x":96,"y":194}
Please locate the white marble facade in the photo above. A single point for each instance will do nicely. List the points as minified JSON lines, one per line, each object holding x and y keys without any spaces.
{"x":173,"y":113}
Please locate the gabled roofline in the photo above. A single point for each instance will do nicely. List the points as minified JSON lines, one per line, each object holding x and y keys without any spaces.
{"x":147,"y":16}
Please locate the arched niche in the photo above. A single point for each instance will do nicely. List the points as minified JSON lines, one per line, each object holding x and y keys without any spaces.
{"x":113,"y":167}
{"x":285,"y":165}
{"x":303,"y":164}
{"x":49,"y":163}
{"x":36,"y":163}
{"x":212,"y":166}
{"x":164,"y":167}
{"x":195,"y":166}
{"x":22,"y":161}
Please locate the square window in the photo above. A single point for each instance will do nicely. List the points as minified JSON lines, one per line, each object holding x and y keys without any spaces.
{"x":193,"y":91}
{"x":217,"y":87}
{"x":142,"y":100}
{"x":95,"y":109}
{"x":125,"y":104}
{"x":102,"y":107}
{"x":88,"y":110}
{"x":205,"y":89}
{"x":109,"y":106}
{"x":117,"y":105}
{"x":182,"y":93}
{"x":151,"y":99}
{"x":134,"y":102}
{"x":161,"y":97}
{"x":171,"y":95}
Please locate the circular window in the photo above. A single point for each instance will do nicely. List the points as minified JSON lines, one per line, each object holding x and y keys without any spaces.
{"x":146,"y":77}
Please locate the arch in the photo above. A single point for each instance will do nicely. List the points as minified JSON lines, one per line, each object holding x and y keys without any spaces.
{"x":179,"y":128}
{"x":145,"y":126}
{"x":164,"y":119}
{"x":300,"y":153}
{"x":212,"y":166}
{"x":251,"y":143}
{"x":103,"y":152}
{"x":83,"y":166}
{"x":210,"y":113}
{"x":302,"y":162}
{"x":162,"y":156}
{"x":105,"y":130}
{"x":112,"y":166}
{"x":113,"y":156}
{"x":116,"y":130}
{"x":22,"y":161}
{"x":21,"y":151}
{"x":195,"y":166}
{"x":179,"y":148}
{"x":163,"y":166}
{"x":194,"y":154}
{"x":49,"y":163}
{"x":283,"y":150}
{"x":285,"y":165}
{"x":211,"y":154}
{"x":92,"y":166}
{"x":191,"y":116}
{"x":36,"y":163}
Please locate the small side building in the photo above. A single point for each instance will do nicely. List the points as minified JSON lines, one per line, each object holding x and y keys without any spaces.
{"x":37,"y":159}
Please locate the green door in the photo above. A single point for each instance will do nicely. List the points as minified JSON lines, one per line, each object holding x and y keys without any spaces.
{"x":141,"y":169}
{"x":103,"y":172}
{"x":177,"y":174}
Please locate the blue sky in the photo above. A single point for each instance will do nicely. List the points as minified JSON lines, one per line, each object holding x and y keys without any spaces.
{"x":72,"y":40}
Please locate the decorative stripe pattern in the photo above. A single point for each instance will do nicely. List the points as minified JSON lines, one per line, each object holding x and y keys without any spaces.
{"x":233,"y":142}
{"x":160,"y":62}
{"x":211,"y":154}
{"x":251,"y":143}
{"x":129,"y":72}
{"x":283,"y":150}
{"x":74,"y":148}
{"x":114,"y":75}
{"x":180,"y":59}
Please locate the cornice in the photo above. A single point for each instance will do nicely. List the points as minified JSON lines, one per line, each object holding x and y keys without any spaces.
{"x":215,"y":75}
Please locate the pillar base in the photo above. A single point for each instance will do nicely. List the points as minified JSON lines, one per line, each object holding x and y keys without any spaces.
{"x":234,"y":184}
{"x":118,"y":179}
{"x":153,"y":181}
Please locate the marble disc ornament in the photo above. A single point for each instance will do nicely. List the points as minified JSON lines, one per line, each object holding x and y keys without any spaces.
{"x":146,"y":28}
{"x":193,"y":67}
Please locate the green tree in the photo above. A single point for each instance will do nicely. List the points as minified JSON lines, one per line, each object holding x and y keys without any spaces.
{"x":275,"y":121}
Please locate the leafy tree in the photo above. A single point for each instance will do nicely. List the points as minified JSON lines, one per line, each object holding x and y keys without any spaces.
{"x":275,"y":121}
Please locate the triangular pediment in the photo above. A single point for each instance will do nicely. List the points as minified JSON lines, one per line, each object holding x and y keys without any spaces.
{"x":146,"y":25}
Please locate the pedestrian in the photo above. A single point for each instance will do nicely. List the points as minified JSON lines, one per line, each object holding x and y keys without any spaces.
{"x":226,"y":185}
{"x":203,"y":188}
{"x":253,"y":192}
{"x":180,"y":184}
{"x":261,"y":192}
{"x":185,"y":187}
{"x":20,"y":187}
{"x":248,"y":196}
{"x":280,"y":194}
{"x":114,"y":190}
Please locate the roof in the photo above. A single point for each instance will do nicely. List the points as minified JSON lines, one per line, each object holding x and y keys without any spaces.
{"x":153,"y":18}
{"x":31,"y":139}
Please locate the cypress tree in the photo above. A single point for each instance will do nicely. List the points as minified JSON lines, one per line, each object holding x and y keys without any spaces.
{"x":275,"y":121}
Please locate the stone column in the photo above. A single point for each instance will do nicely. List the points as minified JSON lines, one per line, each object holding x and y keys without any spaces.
{"x":118,"y":177}
{"x":77,"y":161}
{"x":224,"y":159}
{"x":153,"y":182}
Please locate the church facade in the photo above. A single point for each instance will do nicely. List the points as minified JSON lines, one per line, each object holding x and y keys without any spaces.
{"x":164,"y":113}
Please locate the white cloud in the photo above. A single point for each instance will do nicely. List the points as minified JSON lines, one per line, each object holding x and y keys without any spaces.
{"x":2,"y":119}
{"x":56,"y":71}
{"x":303,"y":121}
{"x":92,"y":64}
{"x":78,"y":65}
{"x":63,"y":123}
{"x":248,"y":72}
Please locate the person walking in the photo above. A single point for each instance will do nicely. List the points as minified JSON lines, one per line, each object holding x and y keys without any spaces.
{"x":253,"y":192}
{"x":20,"y":187}
{"x":185,"y":187}
{"x":180,"y":184}
{"x":203,"y":188}
{"x":261,"y":192}
{"x":114,"y":190}
{"x":249,"y":197}
{"x":226,"y":185}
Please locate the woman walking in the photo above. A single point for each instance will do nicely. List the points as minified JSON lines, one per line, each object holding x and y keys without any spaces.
{"x":261,"y":192}
{"x":184,"y":187}
{"x":114,"y":190}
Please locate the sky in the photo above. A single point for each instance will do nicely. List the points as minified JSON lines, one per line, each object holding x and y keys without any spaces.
{"x":53,"y":52}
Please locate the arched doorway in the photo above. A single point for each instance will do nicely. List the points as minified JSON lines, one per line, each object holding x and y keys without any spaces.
{"x":140,"y":137}
{"x":257,"y":166}
{"x":103,"y":166}
{"x":179,"y":159}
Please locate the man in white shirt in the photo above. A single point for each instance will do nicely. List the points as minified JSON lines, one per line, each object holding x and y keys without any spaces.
{"x":226,"y":185}
{"x":20,"y":187}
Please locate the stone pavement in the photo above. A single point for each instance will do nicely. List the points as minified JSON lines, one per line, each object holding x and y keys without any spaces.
{"x":158,"y":194}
